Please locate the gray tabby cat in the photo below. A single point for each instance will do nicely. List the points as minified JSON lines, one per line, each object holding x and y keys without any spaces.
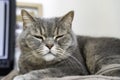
{"x":51,"y":49}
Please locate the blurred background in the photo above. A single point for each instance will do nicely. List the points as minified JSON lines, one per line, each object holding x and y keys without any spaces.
{"x":92,"y":17}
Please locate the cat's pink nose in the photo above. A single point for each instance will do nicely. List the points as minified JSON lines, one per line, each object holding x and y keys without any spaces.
{"x":49,"y":45}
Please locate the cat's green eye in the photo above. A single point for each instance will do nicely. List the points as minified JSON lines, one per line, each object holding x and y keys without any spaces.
{"x":58,"y":37}
{"x":39,"y":37}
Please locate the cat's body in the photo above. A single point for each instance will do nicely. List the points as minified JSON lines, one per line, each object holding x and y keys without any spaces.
{"x":49,"y":48}
{"x":98,"y":53}
{"x":102,"y":55}
{"x":74,"y":64}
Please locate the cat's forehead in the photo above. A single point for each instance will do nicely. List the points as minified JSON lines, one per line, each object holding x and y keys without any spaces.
{"x":47,"y":24}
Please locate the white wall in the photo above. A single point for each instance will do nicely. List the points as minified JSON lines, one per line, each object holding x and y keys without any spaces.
{"x":92,"y":17}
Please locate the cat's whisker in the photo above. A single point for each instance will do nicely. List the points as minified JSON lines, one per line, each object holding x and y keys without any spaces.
{"x":71,"y":63}
{"x":76,"y":60}
{"x":28,"y":57}
{"x":80,"y":64}
{"x":75,"y":65}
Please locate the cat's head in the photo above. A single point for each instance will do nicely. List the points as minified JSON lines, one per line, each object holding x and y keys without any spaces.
{"x":50,"y":39}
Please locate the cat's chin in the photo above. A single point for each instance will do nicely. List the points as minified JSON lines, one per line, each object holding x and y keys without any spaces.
{"x":49,"y":57}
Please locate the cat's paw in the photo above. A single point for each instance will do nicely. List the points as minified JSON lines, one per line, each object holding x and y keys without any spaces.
{"x":26,"y":77}
{"x":21,"y":77}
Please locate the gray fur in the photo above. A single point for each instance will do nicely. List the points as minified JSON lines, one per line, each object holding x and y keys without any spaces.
{"x":72,"y":55}
{"x":101,"y":54}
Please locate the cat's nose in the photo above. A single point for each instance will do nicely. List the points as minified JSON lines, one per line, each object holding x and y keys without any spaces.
{"x":49,"y":45}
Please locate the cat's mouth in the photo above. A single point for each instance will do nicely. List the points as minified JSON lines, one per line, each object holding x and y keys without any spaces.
{"x":49,"y":53}
{"x":49,"y":56}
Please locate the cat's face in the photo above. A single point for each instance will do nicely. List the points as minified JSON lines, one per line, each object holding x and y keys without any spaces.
{"x":48,"y":39}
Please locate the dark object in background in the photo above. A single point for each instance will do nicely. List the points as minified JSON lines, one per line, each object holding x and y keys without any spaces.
{"x":7,"y":35}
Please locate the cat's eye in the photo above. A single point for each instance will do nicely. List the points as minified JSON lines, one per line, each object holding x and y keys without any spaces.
{"x":39,"y":37}
{"x":58,"y":37}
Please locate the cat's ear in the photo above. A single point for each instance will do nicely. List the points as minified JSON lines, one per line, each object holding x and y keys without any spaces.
{"x":68,"y":18}
{"x":27,"y":19}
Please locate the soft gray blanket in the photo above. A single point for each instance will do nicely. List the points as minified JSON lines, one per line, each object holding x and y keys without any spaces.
{"x":91,"y":77}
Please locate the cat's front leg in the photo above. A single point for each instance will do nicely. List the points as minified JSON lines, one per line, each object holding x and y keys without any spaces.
{"x":40,"y":74}
{"x":20,"y":77}
{"x":26,"y":77}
